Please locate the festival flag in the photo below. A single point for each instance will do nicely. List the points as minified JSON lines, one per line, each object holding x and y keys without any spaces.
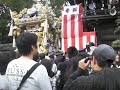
{"x":88,"y":37}
{"x":72,"y":27}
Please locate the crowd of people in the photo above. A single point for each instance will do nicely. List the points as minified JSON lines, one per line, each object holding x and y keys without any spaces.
{"x":91,"y":68}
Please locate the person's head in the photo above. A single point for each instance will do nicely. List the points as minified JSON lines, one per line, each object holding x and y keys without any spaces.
{"x":103,"y":56}
{"x":51,"y":55}
{"x":91,"y":44}
{"x":71,"y":52}
{"x":59,"y":59}
{"x":26,"y":43}
{"x":41,"y":56}
{"x":89,"y":47}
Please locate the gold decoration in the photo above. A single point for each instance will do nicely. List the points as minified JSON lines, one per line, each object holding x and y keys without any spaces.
{"x":37,"y":24}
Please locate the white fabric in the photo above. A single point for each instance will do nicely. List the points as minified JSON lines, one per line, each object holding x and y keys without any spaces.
{"x":31,"y":10}
{"x":77,"y":32}
{"x":4,"y":83}
{"x":92,"y":38}
{"x":54,"y":68}
{"x":72,"y":27}
{"x":71,"y":10}
{"x":38,"y":80}
{"x":84,"y":41}
{"x":92,"y":48}
{"x":69,"y":38}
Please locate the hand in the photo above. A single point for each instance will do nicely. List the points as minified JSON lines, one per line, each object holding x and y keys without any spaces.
{"x":82,"y":64}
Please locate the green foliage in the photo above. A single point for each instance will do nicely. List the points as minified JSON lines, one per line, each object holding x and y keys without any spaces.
{"x":4,"y":17}
{"x":14,"y":5}
{"x":56,"y":5}
{"x":17,"y":5}
{"x":116,"y":44}
{"x":117,"y":30}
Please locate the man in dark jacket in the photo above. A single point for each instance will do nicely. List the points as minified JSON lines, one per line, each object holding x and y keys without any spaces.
{"x":103,"y":77}
{"x":66,"y":66}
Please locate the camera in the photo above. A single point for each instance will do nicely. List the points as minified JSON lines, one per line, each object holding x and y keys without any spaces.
{"x":87,"y":58}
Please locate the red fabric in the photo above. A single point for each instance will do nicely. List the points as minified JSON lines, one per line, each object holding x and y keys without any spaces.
{"x":72,"y":28}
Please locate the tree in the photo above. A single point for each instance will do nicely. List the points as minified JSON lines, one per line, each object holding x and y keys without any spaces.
{"x":17,"y":5}
{"x":4,"y":18}
{"x":117,"y":30}
{"x":14,"y":5}
{"x":116,"y":43}
{"x":56,"y":6}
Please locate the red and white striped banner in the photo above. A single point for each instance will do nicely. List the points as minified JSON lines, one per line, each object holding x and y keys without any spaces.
{"x":88,"y":37}
{"x":72,"y":28}
{"x":82,"y":41}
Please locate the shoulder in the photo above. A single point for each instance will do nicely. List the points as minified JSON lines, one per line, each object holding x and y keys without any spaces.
{"x":62,"y":63}
{"x":80,"y":83}
{"x":84,"y":80}
{"x":41,"y":69}
{"x":12,"y":62}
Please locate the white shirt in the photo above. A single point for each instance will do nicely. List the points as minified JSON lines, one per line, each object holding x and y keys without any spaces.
{"x":54,"y":68}
{"x":4,"y":83}
{"x":38,"y":80}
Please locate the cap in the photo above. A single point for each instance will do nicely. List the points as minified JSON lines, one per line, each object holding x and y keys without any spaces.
{"x":105,"y":52}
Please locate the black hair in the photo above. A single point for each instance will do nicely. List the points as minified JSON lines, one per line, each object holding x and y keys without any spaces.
{"x":41,"y":56}
{"x":59,"y":59}
{"x":91,"y":44}
{"x":48,"y":66}
{"x":25,"y":41}
{"x":72,"y":51}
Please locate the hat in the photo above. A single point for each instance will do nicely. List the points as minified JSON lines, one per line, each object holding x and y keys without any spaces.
{"x":104,"y":53}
